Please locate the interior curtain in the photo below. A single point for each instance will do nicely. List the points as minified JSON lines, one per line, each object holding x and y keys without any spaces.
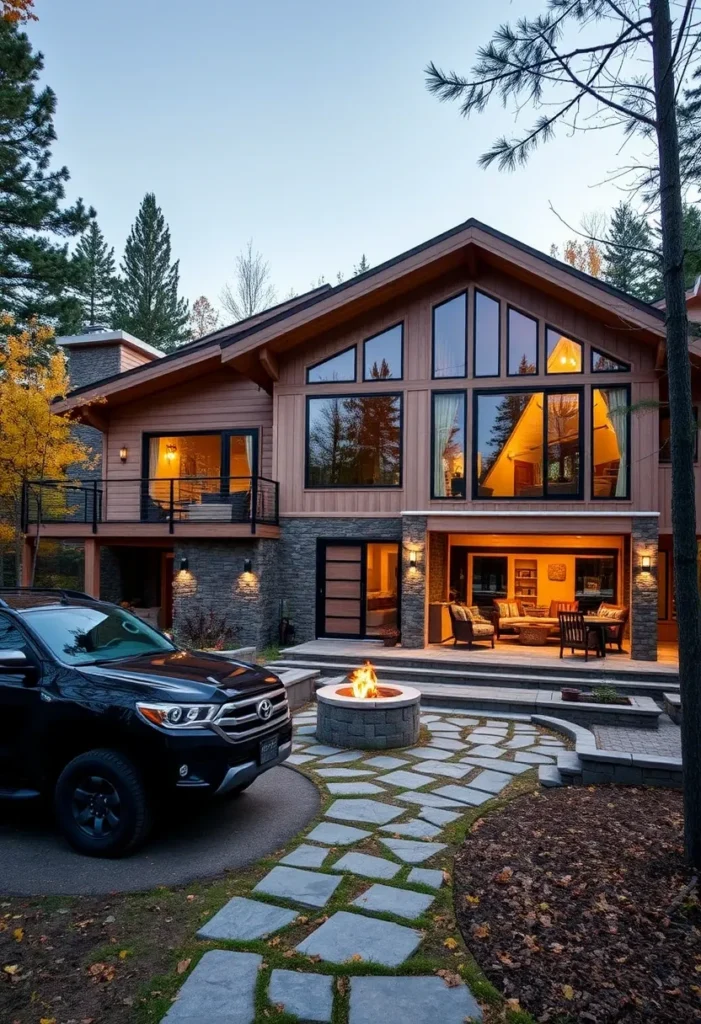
{"x":153,"y":450}
{"x":445,"y":414}
{"x":616,"y":399}
{"x":249,"y":452}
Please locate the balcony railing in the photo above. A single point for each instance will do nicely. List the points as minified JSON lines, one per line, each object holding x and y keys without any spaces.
{"x":167,"y":500}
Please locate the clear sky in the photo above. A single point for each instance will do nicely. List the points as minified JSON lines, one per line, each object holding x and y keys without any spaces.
{"x":303,"y":124}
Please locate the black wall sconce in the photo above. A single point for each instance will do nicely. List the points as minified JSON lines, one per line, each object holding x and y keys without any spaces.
{"x":184,"y":565}
{"x":123,"y":452}
{"x":247,"y":565}
{"x":412,"y":558}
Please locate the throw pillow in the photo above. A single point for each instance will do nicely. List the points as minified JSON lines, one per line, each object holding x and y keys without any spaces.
{"x":477,"y":615}
{"x":503,"y":609}
{"x":458,"y":611}
{"x":514,"y":610}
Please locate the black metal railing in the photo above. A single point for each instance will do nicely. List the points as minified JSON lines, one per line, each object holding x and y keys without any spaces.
{"x":168,"y":500}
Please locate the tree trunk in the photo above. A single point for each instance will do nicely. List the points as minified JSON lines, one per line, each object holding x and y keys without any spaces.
{"x":681,"y":419}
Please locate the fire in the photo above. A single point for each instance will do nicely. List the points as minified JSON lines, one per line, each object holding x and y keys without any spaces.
{"x":364,"y":682}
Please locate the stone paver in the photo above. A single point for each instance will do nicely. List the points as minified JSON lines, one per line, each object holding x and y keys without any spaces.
{"x":523,"y":727}
{"x":472,"y":797}
{"x":309,"y":887}
{"x":305,"y":730}
{"x":342,"y":773}
{"x":220,"y":990}
{"x":431,"y":877}
{"x":425,"y":719}
{"x":244,"y":919}
{"x":406,"y":780}
{"x":664,"y":742}
{"x":450,"y":771}
{"x":299,"y":758}
{"x":307,"y":996}
{"x":386,"y":762}
{"x":354,"y":788}
{"x":416,"y":828}
{"x":366,"y":865}
{"x":427,"y":800}
{"x":504,"y":766}
{"x":412,"y":851}
{"x":487,"y":750}
{"x":322,"y":750}
{"x":343,"y":757}
{"x":434,"y":753}
{"x":306,"y":857}
{"x":386,"y":899}
{"x":463,"y":723}
{"x":438,"y":817}
{"x":519,"y":742}
{"x":337,"y":835}
{"x":346,"y":935}
{"x":490,"y":782}
{"x":448,"y":744}
{"x":526,"y":758}
{"x":446,"y":727}
{"x":411,"y":1001}
{"x":371,"y":811}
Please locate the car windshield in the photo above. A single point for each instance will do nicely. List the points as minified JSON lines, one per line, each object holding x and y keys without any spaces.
{"x":81,"y":635}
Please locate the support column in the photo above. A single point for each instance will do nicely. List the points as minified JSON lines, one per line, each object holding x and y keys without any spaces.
{"x":414,"y":581}
{"x":643,"y":604}
{"x":92,"y":568}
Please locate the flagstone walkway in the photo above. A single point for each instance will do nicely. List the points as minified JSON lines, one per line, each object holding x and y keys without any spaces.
{"x":381,"y":841}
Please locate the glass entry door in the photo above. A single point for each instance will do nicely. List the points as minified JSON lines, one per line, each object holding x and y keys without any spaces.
{"x":357,"y":588}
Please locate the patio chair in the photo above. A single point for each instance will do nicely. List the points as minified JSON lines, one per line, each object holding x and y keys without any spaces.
{"x":469,"y":626}
{"x":619,"y":617}
{"x":577,"y":635}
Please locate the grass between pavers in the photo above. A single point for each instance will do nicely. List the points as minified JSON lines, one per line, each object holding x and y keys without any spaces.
{"x":441,"y":948}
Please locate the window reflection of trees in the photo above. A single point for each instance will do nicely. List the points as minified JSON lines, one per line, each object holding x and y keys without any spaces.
{"x":355,"y":440}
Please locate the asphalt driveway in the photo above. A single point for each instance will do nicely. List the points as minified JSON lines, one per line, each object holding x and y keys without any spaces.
{"x":200,"y":843}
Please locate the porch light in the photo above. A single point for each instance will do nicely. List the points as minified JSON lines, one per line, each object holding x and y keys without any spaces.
{"x":123,"y":453}
{"x":646,"y":562}
{"x":184,"y":565}
{"x":247,"y":565}
{"x":412,"y":558}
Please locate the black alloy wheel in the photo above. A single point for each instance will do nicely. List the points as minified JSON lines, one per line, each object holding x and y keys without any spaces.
{"x":96,"y":806}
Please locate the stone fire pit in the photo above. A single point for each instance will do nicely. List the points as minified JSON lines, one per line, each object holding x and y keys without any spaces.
{"x":386,"y":716}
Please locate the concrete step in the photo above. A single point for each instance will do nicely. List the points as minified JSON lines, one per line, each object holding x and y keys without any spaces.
{"x":549,"y":776}
{"x":299,"y":683}
{"x":528,"y":678}
{"x":569,"y":764}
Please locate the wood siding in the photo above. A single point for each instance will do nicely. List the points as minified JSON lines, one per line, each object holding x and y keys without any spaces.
{"x":131,"y":357}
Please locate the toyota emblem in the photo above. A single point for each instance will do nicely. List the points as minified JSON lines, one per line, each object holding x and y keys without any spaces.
{"x":265,"y":709}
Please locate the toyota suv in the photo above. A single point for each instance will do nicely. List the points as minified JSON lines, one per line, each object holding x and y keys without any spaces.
{"x":109,"y":718}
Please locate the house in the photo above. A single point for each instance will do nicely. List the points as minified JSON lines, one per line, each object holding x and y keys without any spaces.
{"x":472,"y":418}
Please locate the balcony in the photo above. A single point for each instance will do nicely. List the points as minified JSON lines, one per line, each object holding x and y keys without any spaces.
{"x":152,"y":507}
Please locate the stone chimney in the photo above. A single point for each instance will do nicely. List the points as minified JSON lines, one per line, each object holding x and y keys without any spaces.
{"x":98,"y":352}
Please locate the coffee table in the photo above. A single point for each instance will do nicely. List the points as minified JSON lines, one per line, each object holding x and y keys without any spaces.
{"x":534,"y":634}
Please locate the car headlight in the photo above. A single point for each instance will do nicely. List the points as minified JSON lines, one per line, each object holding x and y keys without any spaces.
{"x":177,"y":716}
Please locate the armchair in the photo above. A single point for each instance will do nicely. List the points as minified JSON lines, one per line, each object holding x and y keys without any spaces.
{"x":468,"y":625}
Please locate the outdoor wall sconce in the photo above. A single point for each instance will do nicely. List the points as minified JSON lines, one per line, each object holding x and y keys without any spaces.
{"x":247,"y":566}
{"x":184,"y":565}
{"x":646,"y":562}
{"x":412,"y":559}
{"x":123,"y":452}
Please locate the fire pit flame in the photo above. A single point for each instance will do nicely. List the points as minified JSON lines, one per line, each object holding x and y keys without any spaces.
{"x":364,"y":682}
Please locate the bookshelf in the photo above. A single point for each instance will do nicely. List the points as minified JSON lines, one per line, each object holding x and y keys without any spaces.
{"x":526,"y":578}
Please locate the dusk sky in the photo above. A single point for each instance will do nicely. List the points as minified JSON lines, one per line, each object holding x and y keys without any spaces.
{"x":306,"y":126}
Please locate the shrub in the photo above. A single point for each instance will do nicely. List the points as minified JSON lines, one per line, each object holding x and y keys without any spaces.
{"x":205,"y":628}
{"x":606,"y":695}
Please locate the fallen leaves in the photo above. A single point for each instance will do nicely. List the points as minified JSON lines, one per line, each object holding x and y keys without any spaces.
{"x":481,"y":931}
{"x":504,"y":876}
{"x":102,"y":973}
{"x":568,"y":992}
{"x":183,"y":965}
{"x":451,"y":979}
{"x":450,"y":943}
{"x":18,"y":934}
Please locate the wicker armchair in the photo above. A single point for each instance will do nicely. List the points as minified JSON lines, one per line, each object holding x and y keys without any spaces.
{"x":578,"y":636}
{"x":467,"y":627}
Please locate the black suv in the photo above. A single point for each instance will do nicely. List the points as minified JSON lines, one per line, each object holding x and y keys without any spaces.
{"x":110,"y":717}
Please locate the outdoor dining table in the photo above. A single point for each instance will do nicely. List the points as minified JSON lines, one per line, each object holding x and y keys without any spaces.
{"x":600,"y":622}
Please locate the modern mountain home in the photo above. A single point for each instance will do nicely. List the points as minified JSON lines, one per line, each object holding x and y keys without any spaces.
{"x":471,"y":421}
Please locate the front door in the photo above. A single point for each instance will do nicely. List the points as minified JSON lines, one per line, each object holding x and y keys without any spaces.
{"x":357,"y":588}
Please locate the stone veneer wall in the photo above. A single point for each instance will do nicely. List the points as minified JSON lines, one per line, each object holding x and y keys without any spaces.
{"x":296,"y":566}
{"x":643,"y":612}
{"x":215,"y":579}
{"x":414,"y":581}
{"x":437,"y":567}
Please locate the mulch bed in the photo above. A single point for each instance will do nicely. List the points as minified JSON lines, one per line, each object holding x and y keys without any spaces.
{"x":565,"y":900}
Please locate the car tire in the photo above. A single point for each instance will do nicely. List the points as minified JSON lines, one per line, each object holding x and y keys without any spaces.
{"x":102,"y":805}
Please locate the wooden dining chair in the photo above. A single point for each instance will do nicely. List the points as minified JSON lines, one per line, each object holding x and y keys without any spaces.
{"x":577,"y":635}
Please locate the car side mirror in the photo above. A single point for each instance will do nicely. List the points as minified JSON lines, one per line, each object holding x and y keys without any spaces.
{"x":14,"y":663}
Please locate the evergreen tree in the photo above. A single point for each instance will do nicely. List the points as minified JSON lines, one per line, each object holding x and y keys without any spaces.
{"x":692,"y":243}
{"x":35,"y":269}
{"x":625,"y":265}
{"x":94,"y":269}
{"x":146,"y":296}
{"x":690,"y":131}
{"x":362,"y":266}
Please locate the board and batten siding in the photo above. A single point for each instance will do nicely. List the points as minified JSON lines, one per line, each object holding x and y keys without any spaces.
{"x":222,"y":401}
{"x":416,"y":387}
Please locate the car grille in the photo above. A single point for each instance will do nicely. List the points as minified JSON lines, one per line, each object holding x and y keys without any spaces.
{"x":240,"y":719}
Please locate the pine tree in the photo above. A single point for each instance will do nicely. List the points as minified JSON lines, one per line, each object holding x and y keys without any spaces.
{"x":146,"y":296}
{"x":692,"y":243}
{"x":625,"y":265}
{"x":35,"y":269}
{"x":361,"y":266}
{"x":94,"y":270}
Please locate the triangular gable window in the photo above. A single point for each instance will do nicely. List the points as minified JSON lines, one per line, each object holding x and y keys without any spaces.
{"x":601,"y":363}
{"x":340,"y":367}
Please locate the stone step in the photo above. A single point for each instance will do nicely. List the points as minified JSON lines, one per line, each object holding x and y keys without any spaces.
{"x":549,"y":776}
{"x":300,"y":682}
{"x":569,"y":763}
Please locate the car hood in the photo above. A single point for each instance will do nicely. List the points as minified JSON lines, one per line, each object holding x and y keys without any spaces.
{"x":186,"y":675}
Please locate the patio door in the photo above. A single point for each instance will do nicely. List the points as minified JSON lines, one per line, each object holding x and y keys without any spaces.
{"x":357,"y":588}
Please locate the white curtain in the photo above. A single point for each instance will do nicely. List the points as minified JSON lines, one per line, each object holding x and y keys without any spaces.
{"x":446,"y":409}
{"x":249,"y":452}
{"x":616,"y":399}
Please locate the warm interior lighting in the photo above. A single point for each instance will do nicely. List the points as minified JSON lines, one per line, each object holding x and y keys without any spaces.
{"x":364,"y":683}
{"x":171,"y":452}
{"x":646,"y":561}
{"x":123,"y":452}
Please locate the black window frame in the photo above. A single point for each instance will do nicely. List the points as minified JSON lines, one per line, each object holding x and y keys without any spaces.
{"x":550,"y":373}
{"x":534,"y":390}
{"x":355,"y":487}
{"x":432,"y":460}
{"x":667,"y":459}
{"x":626,"y":388}
{"x":536,"y":321}
{"x":623,"y":367}
{"x":444,"y":302}
{"x":485,"y":376}
{"x":377,"y":334}
{"x":224,"y":453}
{"x":320,"y":362}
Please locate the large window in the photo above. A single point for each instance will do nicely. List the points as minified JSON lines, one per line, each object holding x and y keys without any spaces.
{"x":490,"y":574}
{"x":595,"y":581}
{"x":611,"y":440}
{"x":449,"y":338}
{"x":340,"y":367}
{"x":522,"y":338}
{"x":665,"y":451}
{"x":382,"y":355}
{"x":563,"y":354}
{"x":486,"y":363}
{"x":528,"y":445}
{"x":204,"y":468}
{"x":354,"y":441}
{"x":448,"y":455}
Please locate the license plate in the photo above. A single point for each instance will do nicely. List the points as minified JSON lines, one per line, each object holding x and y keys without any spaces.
{"x":268,"y":749}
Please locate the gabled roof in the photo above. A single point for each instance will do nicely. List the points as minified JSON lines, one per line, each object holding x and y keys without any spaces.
{"x":249,"y":346}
